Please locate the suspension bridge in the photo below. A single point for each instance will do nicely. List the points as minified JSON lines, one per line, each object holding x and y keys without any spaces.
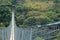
{"x":12,"y":32}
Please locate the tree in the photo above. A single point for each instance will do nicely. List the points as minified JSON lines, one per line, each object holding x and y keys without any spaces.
{"x":5,"y":16}
{"x":30,"y":21}
{"x":20,"y":19}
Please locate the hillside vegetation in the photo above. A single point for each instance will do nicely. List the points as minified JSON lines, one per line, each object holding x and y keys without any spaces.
{"x":30,"y":12}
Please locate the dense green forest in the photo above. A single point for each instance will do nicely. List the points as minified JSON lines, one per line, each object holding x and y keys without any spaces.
{"x":30,"y":12}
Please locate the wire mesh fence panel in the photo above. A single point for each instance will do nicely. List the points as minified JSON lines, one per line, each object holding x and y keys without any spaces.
{"x":1,"y":33}
{"x":29,"y":34}
{"x":46,"y":34}
{"x":6,"y":33}
{"x":23,"y":34}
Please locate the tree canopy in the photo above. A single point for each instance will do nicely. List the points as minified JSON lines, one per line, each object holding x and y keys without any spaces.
{"x":30,"y":12}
